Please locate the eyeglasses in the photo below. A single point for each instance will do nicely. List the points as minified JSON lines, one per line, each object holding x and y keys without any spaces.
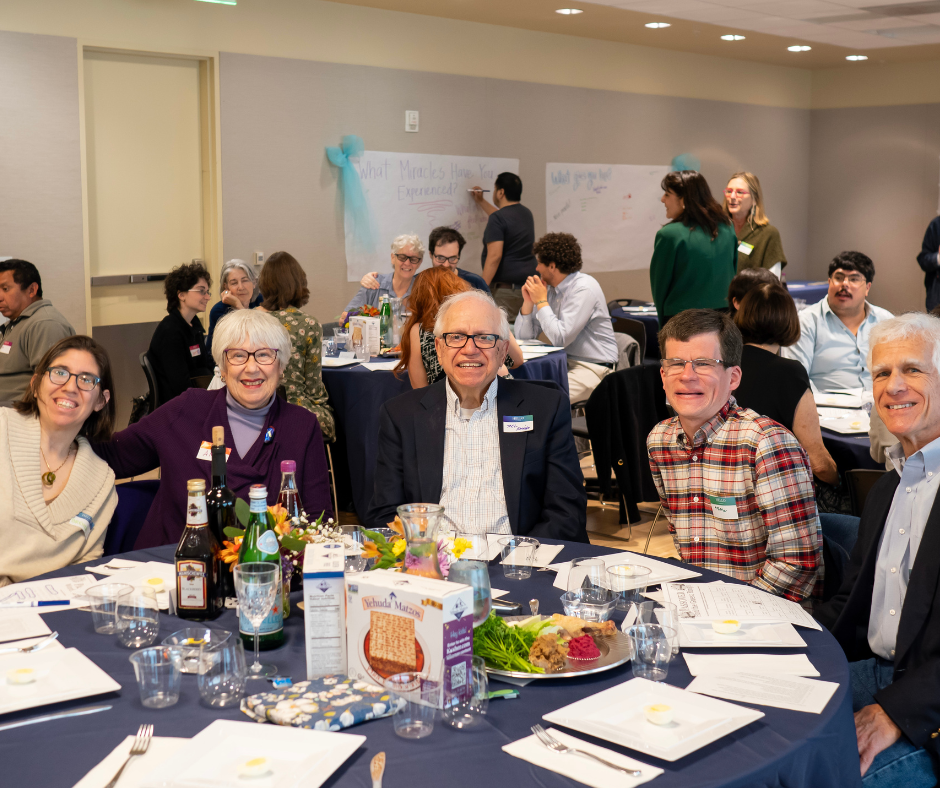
{"x":482,"y":341}
{"x":59,"y":376}
{"x":403,"y":258}
{"x":449,"y":260}
{"x":264,"y":356}
{"x":700,"y":366}
{"x":855,"y":280}
{"x":738,"y":192}
{"x":201,"y":290}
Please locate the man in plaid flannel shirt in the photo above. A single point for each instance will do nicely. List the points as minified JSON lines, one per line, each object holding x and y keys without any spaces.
{"x":736,"y":487}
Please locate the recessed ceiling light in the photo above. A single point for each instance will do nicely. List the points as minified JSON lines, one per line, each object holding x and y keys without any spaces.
{"x":219,"y":2}
{"x":657,"y":25}
{"x":730,"y":37}
{"x":799,"y":48}
{"x":569,"y":11}
{"x":856,"y":57}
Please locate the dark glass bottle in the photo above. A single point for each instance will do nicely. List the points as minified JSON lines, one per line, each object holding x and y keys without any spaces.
{"x":198,"y":572}
{"x":260,"y":544}
{"x":289,"y":496}
{"x":220,"y":506}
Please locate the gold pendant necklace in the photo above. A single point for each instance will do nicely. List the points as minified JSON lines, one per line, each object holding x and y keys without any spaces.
{"x":48,"y":478}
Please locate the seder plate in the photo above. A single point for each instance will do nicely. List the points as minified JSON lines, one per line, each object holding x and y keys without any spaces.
{"x":615,"y":650}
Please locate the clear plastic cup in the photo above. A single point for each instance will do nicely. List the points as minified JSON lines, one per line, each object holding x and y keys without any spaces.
{"x":104,"y":604}
{"x":663,"y":613}
{"x":417,"y":697}
{"x":628,"y":582}
{"x":340,"y":338}
{"x":476,"y":575}
{"x":518,"y":556}
{"x":138,"y":618}
{"x":223,"y":672}
{"x":652,"y":650}
{"x":158,"y":671}
{"x":466,"y":704}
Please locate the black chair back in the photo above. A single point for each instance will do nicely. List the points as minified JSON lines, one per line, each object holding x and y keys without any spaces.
{"x":618,"y":303}
{"x":633,"y":328}
{"x":153,"y":396}
{"x":860,"y":481}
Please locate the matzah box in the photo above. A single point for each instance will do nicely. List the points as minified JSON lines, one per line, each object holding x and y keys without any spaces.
{"x":398,"y":623}
{"x":325,"y":609}
{"x":370,"y":332}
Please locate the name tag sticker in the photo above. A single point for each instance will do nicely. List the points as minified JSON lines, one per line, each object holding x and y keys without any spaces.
{"x":518,"y":424}
{"x":205,"y":451}
{"x":83,"y":521}
{"x":744,"y":248}
{"x":724,"y":508}
{"x":6,"y":347}
{"x":194,"y":351}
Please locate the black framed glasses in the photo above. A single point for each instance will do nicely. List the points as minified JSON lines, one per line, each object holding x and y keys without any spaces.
{"x":441,"y":260}
{"x":404,"y":258}
{"x":59,"y":376}
{"x":265,"y":356}
{"x":675,"y":366}
{"x":482,"y":341}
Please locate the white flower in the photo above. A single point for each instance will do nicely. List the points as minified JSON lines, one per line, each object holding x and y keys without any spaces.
{"x":378,"y":709}
{"x":346,"y":719}
{"x":329,"y":680}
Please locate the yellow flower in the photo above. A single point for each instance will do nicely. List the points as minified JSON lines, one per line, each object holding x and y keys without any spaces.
{"x":229,"y":552}
{"x":461,"y":545}
{"x":398,"y":547}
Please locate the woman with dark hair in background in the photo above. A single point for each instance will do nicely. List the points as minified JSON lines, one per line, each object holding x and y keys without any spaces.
{"x":694,"y":255}
{"x":178,"y":349}
{"x":779,"y":387}
{"x":745,"y":281}
{"x":284,"y":285}
{"x":759,"y":244}
{"x":59,"y":496}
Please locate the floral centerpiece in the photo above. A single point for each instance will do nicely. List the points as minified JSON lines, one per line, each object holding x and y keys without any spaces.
{"x":361,"y":311}
{"x":391,"y":552}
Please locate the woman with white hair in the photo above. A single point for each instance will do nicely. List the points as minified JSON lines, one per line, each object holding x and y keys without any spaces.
{"x":252,"y":350}
{"x":407,"y":254}
{"x":238,"y":289}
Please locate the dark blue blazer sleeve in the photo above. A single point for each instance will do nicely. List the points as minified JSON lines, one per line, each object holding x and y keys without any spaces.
{"x":927,"y":259}
{"x":389,"y":490}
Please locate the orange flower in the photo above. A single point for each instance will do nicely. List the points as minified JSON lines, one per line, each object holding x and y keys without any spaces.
{"x":282,"y":523}
{"x":229,"y":552}
{"x":397,"y":526}
{"x":371,"y":551}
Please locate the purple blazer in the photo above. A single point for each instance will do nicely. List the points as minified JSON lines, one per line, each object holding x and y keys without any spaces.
{"x":170,"y":438}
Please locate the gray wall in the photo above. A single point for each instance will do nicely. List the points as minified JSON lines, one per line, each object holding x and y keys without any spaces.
{"x":40,"y":165}
{"x":124,"y":344}
{"x":280,"y":192}
{"x":874,"y":188}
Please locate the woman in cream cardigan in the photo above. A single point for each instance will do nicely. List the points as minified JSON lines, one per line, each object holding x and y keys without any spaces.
{"x":59,"y":496}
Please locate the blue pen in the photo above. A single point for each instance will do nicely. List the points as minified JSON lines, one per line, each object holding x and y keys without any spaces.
{"x":41,"y":603}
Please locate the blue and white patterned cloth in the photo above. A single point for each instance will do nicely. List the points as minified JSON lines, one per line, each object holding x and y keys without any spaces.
{"x":331,"y":703}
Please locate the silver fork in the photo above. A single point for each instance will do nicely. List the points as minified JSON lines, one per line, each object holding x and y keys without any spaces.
{"x":35,"y":647}
{"x":554,"y":744}
{"x":139,"y":747}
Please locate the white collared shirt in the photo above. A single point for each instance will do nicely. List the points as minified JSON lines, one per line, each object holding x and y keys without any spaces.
{"x":472,"y":493}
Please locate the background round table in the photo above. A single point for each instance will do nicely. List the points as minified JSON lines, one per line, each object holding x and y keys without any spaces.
{"x":784,"y":748}
{"x":850,"y":451}
{"x":356,"y":394}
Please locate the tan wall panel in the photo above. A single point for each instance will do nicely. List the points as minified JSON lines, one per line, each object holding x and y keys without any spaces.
{"x":873,"y":85}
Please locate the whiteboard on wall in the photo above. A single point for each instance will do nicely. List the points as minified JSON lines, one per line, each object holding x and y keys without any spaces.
{"x":614,"y":211}
{"x":414,"y":193}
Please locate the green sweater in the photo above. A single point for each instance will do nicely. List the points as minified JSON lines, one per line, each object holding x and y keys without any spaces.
{"x":690,"y":270}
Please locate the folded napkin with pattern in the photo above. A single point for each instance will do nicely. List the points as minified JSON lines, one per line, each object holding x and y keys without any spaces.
{"x":330,"y":703}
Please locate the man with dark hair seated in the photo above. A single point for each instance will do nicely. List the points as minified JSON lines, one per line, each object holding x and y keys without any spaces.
{"x":446,"y":245}
{"x":568,"y":306}
{"x":35,"y":326}
{"x":736,"y":487}
{"x":834,"y":333}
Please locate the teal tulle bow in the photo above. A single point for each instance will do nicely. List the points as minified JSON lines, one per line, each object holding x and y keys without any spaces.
{"x":358,"y":219}
{"x":686,"y":161}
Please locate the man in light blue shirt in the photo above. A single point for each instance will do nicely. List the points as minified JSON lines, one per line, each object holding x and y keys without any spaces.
{"x":834,"y":333}
{"x":569,"y":308}
{"x":886,"y":615}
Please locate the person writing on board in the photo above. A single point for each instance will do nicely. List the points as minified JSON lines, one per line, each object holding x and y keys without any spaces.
{"x":759,"y":244}
{"x":507,"y":242}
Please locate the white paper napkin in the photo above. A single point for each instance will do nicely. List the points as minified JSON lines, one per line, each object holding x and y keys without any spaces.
{"x":19,"y":624}
{"x":782,"y":692}
{"x":113,"y":566}
{"x":579,"y":768}
{"x":767,"y":664}
{"x":161,"y":748}
{"x":545,"y":554}
{"x":139,"y":575}
{"x":373,"y":366}
{"x":332,"y":361}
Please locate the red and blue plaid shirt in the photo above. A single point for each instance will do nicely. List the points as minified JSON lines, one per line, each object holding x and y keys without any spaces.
{"x":767,"y":533}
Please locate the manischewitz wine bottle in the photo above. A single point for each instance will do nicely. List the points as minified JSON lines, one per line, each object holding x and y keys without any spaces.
{"x":198,"y":571}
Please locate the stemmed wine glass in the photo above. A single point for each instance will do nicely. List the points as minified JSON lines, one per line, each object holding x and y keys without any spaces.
{"x":256,"y":586}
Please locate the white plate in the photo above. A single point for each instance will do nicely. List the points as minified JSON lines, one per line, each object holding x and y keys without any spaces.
{"x":662,"y":571}
{"x":752,"y":634}
{"x":211,"y":758}
{"x":333,"y":361}
{"x":616,"y":715}
{"x":66,"y":674}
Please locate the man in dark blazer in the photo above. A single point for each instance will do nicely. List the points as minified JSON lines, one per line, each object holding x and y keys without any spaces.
{"x":498,"y":454}
{"x":886,"y":615}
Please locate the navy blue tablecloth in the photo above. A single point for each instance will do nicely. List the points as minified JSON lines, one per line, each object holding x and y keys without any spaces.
{"x":356,"y":394}
{"x":784,"y":748}
{"x":810,"y":292}
{"x":650,"y":321}
{"x":850,"y":451}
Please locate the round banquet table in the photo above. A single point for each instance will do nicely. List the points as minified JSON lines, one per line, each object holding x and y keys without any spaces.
{"x":810,"y":292}
{"x":356,"y":394}
{"x":784,"y":748}
{"x":850,"y":451}
{"x":650,"y":321}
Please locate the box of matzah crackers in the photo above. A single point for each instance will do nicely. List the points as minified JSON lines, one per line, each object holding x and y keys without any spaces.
{"x":397,"y":623}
